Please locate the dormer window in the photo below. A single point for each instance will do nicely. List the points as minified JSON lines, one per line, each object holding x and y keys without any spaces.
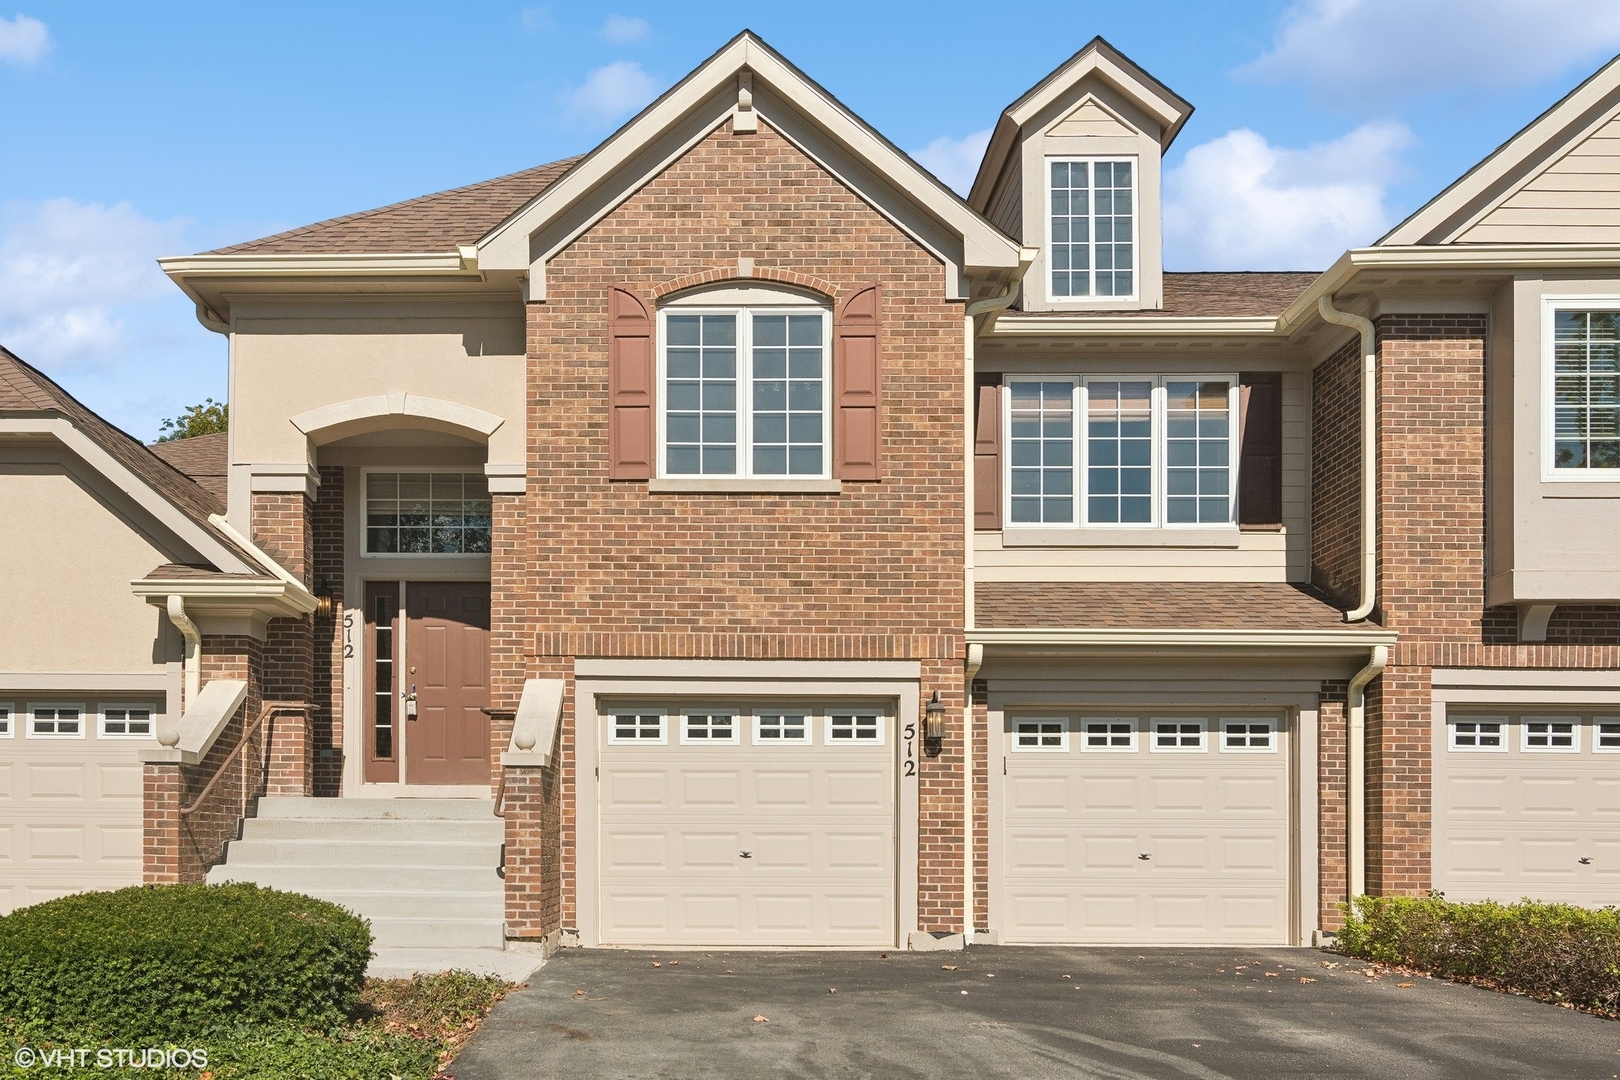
{"x":1092,"y":222}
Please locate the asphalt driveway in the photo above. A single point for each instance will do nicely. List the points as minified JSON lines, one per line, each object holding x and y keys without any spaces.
{"x":1118,"y":1014}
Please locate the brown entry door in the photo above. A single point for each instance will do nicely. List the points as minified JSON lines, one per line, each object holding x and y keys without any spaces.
{"x":447,"y":665}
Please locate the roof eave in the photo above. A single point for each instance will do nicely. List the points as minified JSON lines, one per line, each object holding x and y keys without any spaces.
{"x":1347,"y":639}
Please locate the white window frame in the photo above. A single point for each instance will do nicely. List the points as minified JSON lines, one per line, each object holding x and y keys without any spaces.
{"x":1130,"y":748}
{"x":745,"y":383}
{"x":1271,"y":723}
{"x":882,"y":727}
{"x":1159,"y":446}
{"x":398,"y":470}
{"x":1091,"y":298}
{"x":34,"y":707}
{"x":613,"y":738}
{"x":1550,"y":306}
{"x":1597,"y":734}
{"x":8,"y":714}
{"x":1064,"y":725}
{"x":1179,"y":721}
{"x":689,"y":711}
{"x":1505,"y":735}
{"x":758,"y":715}
{"x":101,"y":719}
{"x":1575,"y":725}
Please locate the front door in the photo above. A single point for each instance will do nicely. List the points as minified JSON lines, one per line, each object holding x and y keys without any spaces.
{"x":447,"y":669}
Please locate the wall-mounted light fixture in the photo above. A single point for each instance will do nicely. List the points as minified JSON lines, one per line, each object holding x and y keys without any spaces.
{"x":323,"y":599}
{"x":934,"y":722}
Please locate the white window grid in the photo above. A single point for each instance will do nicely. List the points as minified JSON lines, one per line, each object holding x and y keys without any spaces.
{"x":1108,"y":734}
{"x":1180,"y":735}
{"x":1040,"y":734}
{"x":1248,"y":735}
{"x":1595,"y":371}
{"x":1194,"y":461}
{"x":1550,"y":734}
{"x":784,"y":729}
{"x":852,"y":728}
{"x":710,"y":727}
{"x":1092,"y":220}
{"x":122,"y":721}
{"x":637,"y":727}
{"x":56,"y":720}
{"x":457,"y":505}
{"x":8,"y":721}
{"x":1606,"y":734}
{"x":1483,"y":734}
{"x":746,"y":422}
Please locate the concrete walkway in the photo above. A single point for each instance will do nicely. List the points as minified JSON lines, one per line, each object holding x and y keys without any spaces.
{"x":1020,"y":1013}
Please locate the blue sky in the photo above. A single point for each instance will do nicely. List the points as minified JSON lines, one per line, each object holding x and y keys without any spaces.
{"x":129,"y":131}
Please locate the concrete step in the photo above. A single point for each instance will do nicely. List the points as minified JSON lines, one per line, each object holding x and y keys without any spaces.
{"x":324,"y":829}
{"x":487,"y":904}
{"x":285,"y":806}
{"x":513,"y":966}
{"x":437,"y":933}
{"x":354,"y":853}
{"x":430,"y":882}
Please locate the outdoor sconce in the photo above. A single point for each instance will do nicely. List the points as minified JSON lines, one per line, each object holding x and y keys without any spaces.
{"x":934,"y":724}
{"x":323,"y":599}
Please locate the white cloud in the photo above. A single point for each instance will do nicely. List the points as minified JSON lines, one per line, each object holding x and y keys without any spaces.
{"x":536,"y":19}
{"x":1373,"y":52}
{"x":625,"y":29}
{"x":1240,"y":203}
{"x":612,"y":92}
{"x":23,"y":41}
{"x":955,"y":161}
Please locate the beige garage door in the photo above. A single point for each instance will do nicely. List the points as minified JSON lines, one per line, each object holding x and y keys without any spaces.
{"x":1145,"y":830}
{"x":70,"y":798}
{"x":1527,"y":804}
{"x":747,"y":827}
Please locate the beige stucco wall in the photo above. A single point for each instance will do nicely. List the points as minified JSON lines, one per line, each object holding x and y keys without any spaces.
{"x":65,"y":569}
{"x":1561,"y":543}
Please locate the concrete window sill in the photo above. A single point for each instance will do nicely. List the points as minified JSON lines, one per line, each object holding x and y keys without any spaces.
{"x":743,"y":486}
{"x":1121,"y":538}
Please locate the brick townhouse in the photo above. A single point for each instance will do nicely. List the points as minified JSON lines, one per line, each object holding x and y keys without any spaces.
{"x":733,"y":537}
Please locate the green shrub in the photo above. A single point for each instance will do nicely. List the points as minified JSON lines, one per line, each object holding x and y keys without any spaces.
{"x":180,"y":962}
{"x":431,"y":1004}
{"x":1552,"y":952}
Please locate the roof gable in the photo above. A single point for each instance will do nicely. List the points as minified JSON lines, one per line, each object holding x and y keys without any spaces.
{"x":1556,"y":181}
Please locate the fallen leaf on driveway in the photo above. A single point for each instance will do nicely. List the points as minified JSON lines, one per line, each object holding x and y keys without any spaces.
{"x":1273,"y":975}
{"x":947,"y":967}
{"x":1306,"y":979}
{"x":832,"y":989}
{"x":657,"y":964}
{"x":964,"y":993}
{"x":1405,"y":986}
{"x":762,"y":1019}
{"x":989,"y":976}
{"x":674,"y":963}
{"x":579,"y":993}
{"x":1068,"y":976}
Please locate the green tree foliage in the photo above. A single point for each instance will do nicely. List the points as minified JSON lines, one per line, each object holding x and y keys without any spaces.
{"x":206,"y":419}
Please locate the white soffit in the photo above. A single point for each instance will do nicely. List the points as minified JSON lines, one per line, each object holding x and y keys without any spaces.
{"x":1513,"y":164}
{"x":712,"y":89}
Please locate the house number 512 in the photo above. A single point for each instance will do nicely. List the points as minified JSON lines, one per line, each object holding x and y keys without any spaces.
{"x":910,"y":768}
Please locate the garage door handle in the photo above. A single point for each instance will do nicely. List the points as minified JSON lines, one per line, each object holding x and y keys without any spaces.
{"x":1144,"y":856}
{"x":1586,"y":860}
{"x":746,"y":854}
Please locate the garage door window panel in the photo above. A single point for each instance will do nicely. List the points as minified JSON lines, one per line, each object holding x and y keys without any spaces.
{"x":1046,"y":734}
{"x":1113,"y":734}
{"x":637,"y":727}
{"x":1606,"y":735}
{"x":709,"y":728}
{"x":1248,"y":736}
{"x":126,"y":721}
{"x":1187,"y":735}
{"x":779,"y":729}
{"x":56,"y":721}
{"x":855,"y":729}
{"x":6,"y":722}
{"x":1489,"y":736}
{"x":1544,"y":734}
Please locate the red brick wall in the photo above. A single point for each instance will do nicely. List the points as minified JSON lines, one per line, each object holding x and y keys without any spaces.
{"x":873,"y":572}
{"x":326,"y":531}
{"x":1331,"y":837}
{"x":1336,"y":475}
{"x":283,"y":526}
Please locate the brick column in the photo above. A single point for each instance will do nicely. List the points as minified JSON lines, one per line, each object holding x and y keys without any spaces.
{"x":283,"y":525}
{"x":160,"y":818}
{"x":291,"y":761}
{"x":939,"y":803}
{"x":1332,"y":841}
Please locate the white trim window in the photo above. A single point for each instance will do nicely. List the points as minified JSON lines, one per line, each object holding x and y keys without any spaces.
{"x":1041,"y":734}
{"x":1489,"y":735}
{"x":845,"y":728}
{"x":637,"y":727}
{"x":1091,"y":227}
{"x":1155,"y":451}
{"x":56,"y":721}
{"x":707,"y":728}
{"x":1108,"y":734}
{"x":126,"y":722}
{"x":427,"y":512}
{"x":1186,"y":734}
{"x":1581,"y":411}
{"x":1248,"y":736}
{"x":1606,"y":734}
{"x":776,"y":729}
{"x":745,"y":392}
{"x":1550,"y":734}
{"x":7,"y":723}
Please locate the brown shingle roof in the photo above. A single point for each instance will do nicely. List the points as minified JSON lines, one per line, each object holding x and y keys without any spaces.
{"x":201,"y":457}
{"x":438,"y":222}
{"x":1231,"y":294}
{"x":1154,"y":605}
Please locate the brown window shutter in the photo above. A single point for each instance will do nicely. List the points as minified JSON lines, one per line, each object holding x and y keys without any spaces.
{"x":858,"y":386}
{"x":1260,"y":450}
{"x":987,"y":458}
{"x":631,"y":389}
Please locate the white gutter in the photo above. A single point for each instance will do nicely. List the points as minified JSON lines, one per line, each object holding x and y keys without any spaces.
{"x":1345,"y":638}
{"x":298,"y":593}
{"x":1356,"y":778}
{"x":1369,"y":453}
{"x":970,"y":399}
{"x":193,"y":650}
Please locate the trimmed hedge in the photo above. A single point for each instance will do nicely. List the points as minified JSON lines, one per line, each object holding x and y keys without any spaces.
{"x":178,"y":962}
{"x":1551,"y":952}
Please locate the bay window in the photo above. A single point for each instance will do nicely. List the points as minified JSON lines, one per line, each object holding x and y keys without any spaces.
{"x":1126,"y":451}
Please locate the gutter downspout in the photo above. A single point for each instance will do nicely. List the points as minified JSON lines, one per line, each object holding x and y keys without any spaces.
{"x":193,"y":649}
{"x":1356,"y":780}
{"x":989,"y":305}
{"x":1369,"y":453}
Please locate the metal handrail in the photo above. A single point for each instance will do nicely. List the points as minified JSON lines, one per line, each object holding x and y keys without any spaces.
{"x":248,"y":733}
